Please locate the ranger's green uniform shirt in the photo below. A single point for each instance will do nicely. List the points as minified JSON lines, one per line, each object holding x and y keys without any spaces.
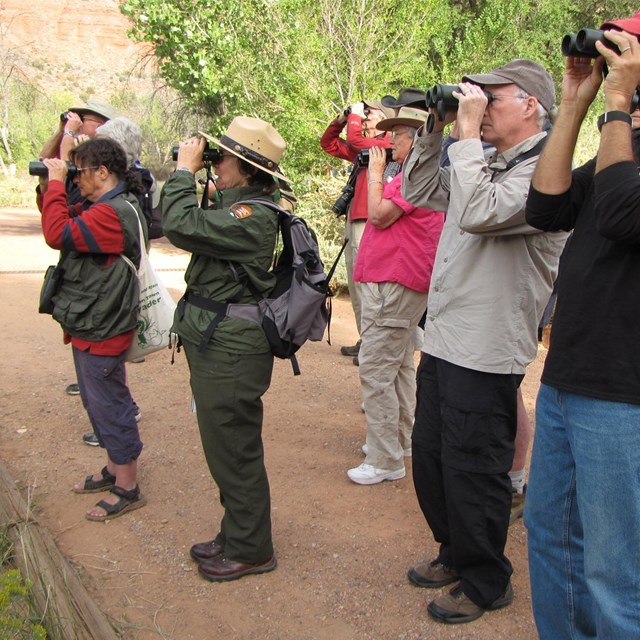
{"x":244,"y":234}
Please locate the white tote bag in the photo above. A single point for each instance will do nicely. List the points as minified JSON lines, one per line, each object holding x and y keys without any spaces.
{"x":156,"y":308}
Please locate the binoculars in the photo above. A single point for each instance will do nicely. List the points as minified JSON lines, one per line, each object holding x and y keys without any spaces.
{"x":362,"y":159}
{"x":583,"y":43}
{"x":441,"y":98}
{"x":208,"y":155}
{"x":64,"y":116}
{"x":37,"y":168}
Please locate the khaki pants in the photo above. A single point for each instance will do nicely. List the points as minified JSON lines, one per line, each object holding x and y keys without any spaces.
{"x":353,"y":230}
{"x":390,"y":315}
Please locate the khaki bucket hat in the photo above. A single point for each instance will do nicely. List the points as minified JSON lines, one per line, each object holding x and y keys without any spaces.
{"x":102,"y":109}
{"x":254,"y":141}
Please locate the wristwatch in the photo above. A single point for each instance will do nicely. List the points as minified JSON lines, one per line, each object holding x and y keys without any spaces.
{"x":611,"y":116}
{"x":69,"y":133}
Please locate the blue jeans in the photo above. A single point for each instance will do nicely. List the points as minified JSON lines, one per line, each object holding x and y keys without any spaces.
{"x":583,"y":517}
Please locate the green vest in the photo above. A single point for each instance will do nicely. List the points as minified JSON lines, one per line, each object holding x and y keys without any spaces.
{"x":98,"y":299}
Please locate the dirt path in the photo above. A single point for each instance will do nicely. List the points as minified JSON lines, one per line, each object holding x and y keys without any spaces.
{"x":343,"y":549}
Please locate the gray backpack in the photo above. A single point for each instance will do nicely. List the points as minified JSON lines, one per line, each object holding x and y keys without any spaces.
{"x":299,"y":306}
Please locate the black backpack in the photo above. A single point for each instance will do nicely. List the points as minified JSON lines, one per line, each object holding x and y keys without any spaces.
{"x":152,"y":215}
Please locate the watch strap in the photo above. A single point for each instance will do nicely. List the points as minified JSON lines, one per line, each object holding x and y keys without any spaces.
{"x":612,"y":116}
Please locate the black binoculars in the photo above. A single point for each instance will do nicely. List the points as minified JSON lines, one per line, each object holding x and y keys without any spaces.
{"x":441,"y":98}
{"x":37,"y":168}
{"x":64,"y":116}
{"x":363,"y":157}
{"x":583,"y":43}
{"x":208,"y":155}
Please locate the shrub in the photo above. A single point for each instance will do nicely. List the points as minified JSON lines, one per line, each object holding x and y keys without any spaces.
{"x":15,"y":622}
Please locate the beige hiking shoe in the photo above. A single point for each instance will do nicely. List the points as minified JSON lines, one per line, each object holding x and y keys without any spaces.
{"x":455,"y":607}
{"x":432,"y":574}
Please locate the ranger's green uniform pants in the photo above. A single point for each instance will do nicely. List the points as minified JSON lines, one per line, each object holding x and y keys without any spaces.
{"x":228,"y":389}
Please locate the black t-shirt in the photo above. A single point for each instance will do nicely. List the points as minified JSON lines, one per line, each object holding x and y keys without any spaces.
{"x":595,"y":339}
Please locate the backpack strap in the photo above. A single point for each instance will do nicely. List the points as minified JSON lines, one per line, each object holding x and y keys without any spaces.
{"x":248,"y":312}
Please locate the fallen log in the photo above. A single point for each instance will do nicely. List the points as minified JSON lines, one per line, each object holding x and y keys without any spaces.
{"x":67,"y":609}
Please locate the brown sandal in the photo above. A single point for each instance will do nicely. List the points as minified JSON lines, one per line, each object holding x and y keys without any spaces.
{"x":127,"y":501}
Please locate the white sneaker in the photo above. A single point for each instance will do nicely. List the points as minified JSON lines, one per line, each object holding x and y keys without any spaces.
{"x":368,"y":474}
{"x":406,"y":452}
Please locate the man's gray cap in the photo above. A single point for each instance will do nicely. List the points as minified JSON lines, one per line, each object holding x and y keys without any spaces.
{"x":527,"y":74}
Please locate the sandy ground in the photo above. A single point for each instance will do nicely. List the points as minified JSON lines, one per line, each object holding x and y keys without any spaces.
{"x":343,"y":549}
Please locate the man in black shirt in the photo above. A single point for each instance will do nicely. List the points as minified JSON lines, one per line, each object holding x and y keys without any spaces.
{"x":583,"y":499}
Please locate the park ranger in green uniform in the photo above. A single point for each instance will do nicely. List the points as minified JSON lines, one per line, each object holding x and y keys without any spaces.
{"x":232,"y":245}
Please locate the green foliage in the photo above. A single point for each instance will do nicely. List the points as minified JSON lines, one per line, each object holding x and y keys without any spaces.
{"x":14,"y":607}
{"x":32,"y":118}
{"x":296,"y":63}
{"x":164,"y":122}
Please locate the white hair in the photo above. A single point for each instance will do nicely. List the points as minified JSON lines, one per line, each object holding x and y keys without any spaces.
{"x":542,"y":115}
{"x":127,"y":133}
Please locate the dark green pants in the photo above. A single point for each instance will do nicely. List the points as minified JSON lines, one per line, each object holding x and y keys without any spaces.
{"x":228,"y":390}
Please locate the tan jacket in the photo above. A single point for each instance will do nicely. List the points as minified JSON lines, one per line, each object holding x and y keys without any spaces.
{"x":493,"y":273}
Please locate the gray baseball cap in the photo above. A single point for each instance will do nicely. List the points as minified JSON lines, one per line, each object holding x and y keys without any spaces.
{"x":377,"y":104}
{"x":527,"y":74}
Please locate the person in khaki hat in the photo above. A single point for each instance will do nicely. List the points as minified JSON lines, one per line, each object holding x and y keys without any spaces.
{"x":232,"y":244}
{"x":360,"y":119}
{"x":491,"y":280}
{"x":75,"y":122}
{"x":583,"y":505}
{"x":393,"y":268}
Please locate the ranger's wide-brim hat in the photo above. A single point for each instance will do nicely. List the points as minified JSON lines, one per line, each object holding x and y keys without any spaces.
{"x":407,"y":116}
{"x":254,"y":141}
{"x":102,"y":109}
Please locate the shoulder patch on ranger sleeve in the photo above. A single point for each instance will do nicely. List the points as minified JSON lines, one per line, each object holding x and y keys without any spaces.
{"x":241,"y":211}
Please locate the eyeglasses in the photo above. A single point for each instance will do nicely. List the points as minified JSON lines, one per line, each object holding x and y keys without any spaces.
{"x":496,"y":97}
{"x":397,"y":134}
{"x":92,"y":119}
{"x":81,"y":169}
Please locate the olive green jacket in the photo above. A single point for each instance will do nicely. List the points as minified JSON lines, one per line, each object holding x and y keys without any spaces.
{"x":244,"y":235}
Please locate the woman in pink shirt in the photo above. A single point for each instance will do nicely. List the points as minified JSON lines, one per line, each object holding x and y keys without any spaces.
{"x":394,"y":266}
